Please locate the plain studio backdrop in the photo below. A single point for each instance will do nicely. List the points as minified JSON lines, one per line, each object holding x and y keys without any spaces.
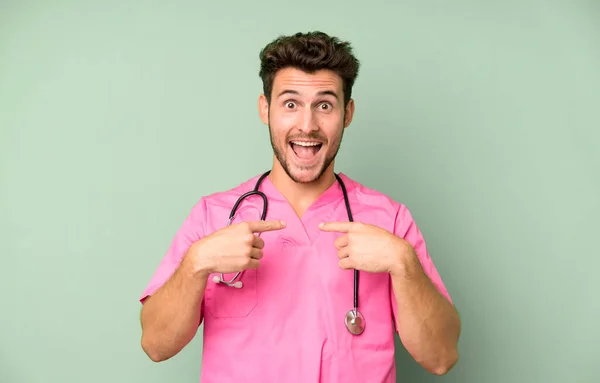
{"x":116,"y":117}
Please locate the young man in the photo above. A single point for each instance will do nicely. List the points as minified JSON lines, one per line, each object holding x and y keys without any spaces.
{"x":289,"y":315}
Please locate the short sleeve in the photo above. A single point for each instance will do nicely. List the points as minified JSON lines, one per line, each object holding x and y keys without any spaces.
{"x":189,"y":232}
{"x":405,"y":227}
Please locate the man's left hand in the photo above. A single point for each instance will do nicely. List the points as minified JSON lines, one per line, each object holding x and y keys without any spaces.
{"x":370,"y":248}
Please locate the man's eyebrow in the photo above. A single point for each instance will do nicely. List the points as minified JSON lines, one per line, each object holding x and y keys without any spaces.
{"x":328,"y":92}
{"x":287,"y":91}
{"x":295,"y":92}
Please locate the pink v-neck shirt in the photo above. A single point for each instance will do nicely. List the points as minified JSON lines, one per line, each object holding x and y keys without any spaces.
{"x":286,"y":324}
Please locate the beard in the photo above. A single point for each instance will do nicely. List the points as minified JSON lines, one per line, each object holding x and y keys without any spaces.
{"x":279,"y":154}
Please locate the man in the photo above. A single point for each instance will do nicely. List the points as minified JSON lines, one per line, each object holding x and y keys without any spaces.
{"x":288,"y":317}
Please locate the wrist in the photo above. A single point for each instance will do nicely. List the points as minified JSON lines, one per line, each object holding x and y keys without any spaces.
{"x":405,"y":261}
{"x":195,"y":265}
{"x":397,"y":270}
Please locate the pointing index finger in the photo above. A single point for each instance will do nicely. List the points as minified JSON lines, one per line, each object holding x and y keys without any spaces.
{"x":339,"y":227}
{"x":262,"y":226}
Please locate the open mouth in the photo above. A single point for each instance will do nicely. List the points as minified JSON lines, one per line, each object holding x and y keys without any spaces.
{"x":306,"y":150}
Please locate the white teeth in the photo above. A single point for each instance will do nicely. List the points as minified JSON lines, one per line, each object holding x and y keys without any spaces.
{"x":301,"y":143}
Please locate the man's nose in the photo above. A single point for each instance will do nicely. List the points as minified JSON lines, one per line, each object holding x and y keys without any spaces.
{"x":308,"y":123}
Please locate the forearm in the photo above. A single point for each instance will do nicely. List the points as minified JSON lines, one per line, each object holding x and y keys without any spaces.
{"x":170,"y":317}
{"x":427,"y":322}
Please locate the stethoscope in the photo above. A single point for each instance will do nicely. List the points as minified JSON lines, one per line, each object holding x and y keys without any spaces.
{"x":355,"y":322}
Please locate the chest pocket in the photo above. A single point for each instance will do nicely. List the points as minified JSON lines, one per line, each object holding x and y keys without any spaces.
{"x":223,"y":301}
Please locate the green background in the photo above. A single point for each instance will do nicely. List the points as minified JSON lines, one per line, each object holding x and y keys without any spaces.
{"x":116,"y":117}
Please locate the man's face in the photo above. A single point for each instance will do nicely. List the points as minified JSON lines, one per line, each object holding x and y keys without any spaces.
{"x":306,"y":121}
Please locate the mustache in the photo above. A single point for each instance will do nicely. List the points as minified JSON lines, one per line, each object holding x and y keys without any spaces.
{"x":312,"y":136}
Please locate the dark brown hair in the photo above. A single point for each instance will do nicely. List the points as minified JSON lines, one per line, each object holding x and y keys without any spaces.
{"x":308,"y":52}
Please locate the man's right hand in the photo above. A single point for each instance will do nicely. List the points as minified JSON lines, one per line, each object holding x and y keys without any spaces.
{"x":231,"y":249}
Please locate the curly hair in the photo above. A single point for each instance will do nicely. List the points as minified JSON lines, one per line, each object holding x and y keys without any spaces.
{"x":309,"y":52}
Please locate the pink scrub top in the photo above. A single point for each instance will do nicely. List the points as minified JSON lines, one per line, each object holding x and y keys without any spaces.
{"x":286,"y":324}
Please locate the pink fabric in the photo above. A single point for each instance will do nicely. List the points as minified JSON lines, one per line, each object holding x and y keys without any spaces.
{"x":287,"y":322}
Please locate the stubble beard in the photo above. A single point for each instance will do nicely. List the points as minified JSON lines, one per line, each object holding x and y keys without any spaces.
{"x":279,"y":154}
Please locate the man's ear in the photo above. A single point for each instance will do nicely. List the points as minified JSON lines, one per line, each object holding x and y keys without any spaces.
{"x":349,"y":114}
{"x":263,"y":109}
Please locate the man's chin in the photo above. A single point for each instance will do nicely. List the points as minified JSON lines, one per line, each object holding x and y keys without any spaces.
{"x":302,"y":173}
{"x":305,"y":174}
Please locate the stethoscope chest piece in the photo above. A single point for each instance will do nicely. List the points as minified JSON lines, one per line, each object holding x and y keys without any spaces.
{"x":355,"y":322}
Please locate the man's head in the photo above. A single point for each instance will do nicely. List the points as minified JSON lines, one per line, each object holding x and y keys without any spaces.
{"x":307,"y":103}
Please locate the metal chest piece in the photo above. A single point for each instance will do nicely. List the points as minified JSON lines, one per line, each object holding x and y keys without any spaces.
{"x":355,"y":322}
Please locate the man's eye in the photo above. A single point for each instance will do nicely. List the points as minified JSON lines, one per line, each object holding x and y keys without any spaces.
{"x":290,"y":104}
{"x":325,"y":106}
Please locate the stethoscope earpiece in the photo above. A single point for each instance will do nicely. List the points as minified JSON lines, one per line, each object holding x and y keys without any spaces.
{"x":236,"y":284}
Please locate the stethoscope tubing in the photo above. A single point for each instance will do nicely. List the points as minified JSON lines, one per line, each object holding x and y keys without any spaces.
{"x":354,"y":320}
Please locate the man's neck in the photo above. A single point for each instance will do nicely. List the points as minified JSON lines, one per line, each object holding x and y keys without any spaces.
{"x":300,"y":195}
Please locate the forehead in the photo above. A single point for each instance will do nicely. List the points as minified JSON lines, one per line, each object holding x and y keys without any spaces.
{"x":306,"y":83}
